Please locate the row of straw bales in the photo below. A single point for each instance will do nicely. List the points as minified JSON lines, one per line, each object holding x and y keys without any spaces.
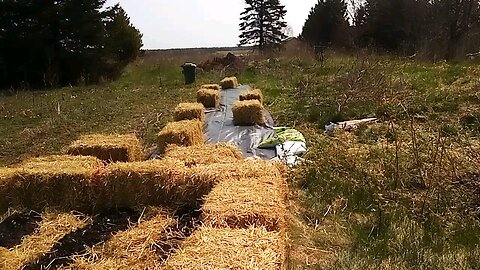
{"x":85,"y":184}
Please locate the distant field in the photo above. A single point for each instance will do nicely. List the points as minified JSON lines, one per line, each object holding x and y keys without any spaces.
{"x":399,"y":194}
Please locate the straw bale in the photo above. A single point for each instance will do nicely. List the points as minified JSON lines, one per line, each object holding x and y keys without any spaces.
{"x":182,"y":133}
{"x":130,"y":249}
{"x":108,"y":147}
{"x":229,"y":82}
{"x":153,"y":182}
{"x":212,"y":86}
{"x":248,"y":113}
{"x":190,"y":111}
{"x":205,"y":154}
{"x":57,"y":181}
{"x":215,"y":248}
{"x":210,"y":98}
{"x":246,"y":202}
{"x":53,"y":227}
{"x":252,"y":95}
{"x":240,"y":169}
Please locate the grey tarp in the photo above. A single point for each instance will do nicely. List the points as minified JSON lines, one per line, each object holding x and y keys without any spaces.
{"x":219,"y":127}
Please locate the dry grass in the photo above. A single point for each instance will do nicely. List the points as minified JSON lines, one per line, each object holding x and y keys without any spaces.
{"x":215,"y":248}
{"x":246,"y":202}
{"x":182,"y":133}
{"x":248,"y":113}
{"x":205,"y":154}
{"x":255,"y":94}
{"x":229,"y":82}
{"x":154,"y":182}
{"x":56,"y":181}
{"x":210,"y":98}
{"x":190,"y":111}
{"x":110,"y":148}
{"x":212,"y":86}
{"x":130,"y":249}
{"x":53,"y":227}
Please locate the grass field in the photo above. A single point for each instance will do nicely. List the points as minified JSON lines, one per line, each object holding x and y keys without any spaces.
{"x":403,"y":193}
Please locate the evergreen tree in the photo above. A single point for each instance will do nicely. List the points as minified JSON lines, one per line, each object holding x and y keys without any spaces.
{"x":262,"y":24}
{"x":59,"y":42}
{"x":123,"y":41}
{"x":327,"y":23}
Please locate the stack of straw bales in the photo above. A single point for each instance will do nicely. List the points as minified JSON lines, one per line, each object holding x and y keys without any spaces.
{"x":130,"y":249}
{"x":51,"y":181}
{"x":258,"y":202}
{"x":108,"y":147}
{"x":214,"y":248}
{"x":255,"y":94}
{"x":229,"y":82}
{"x":52,"y":228}
{"x":205,"y":154}
{"x":190,"y":111}
{"x":248,"y":113}
{"x":182,"y":133}
{"x":210,"y":98}
{"x":212,"y":86}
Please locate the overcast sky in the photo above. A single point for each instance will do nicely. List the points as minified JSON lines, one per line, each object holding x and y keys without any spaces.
{"x":198,"y":23}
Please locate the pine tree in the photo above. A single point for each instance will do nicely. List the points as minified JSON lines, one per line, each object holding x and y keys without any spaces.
{"x":262,"y":24}
{"x":59,"y":42}
{"x":327,"y":23}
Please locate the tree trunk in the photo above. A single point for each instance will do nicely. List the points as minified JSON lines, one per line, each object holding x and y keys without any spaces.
{"x":261,"y":43}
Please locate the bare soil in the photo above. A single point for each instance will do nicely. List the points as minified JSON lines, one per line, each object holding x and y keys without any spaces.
{"x":16,"y":226}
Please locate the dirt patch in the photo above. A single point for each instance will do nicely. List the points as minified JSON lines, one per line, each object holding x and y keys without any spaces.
{"x":219,"y":63}
{"x":101,"y":229}
{"x":16,"y":226}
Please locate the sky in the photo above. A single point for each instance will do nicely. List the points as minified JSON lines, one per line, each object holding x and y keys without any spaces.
{"x":198,"y":23}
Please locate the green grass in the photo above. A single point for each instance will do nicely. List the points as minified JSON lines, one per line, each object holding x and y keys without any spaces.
{"x":45,"y":122}
{"x":399,"y":194}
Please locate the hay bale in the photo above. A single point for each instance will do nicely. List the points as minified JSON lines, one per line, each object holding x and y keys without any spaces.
{"x":242,"y":169}
{"x":210,"y":98}
{"x":255,"y":94}
{"x":213,"y":248}
{"x":108,"y":147}
{"x":190,"y":111}
{"x":134,"y":248}
{"x":53,"y":227}
{"x":212,"y":86}
{"x":182,"y":133}
{"x":246,"y":202}
{"x":205,"y":154}
{"x":57,"y":181}
{"x":153,"y":182}
{"x":229,"y":82}
{"x":248,"y":113}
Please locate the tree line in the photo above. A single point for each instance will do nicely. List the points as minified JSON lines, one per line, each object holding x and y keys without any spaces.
{"x":429,"y":29}
{"x":433,"y":29}
{"x":46,"y":43}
